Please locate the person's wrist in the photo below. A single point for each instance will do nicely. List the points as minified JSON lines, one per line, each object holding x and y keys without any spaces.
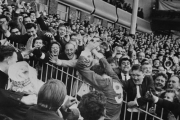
{"x":156,"y":99}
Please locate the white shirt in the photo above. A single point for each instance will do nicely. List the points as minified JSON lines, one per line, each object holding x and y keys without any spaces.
{"x":123,"y":76}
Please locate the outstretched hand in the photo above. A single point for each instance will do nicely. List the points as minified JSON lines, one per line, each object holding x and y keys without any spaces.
{"x":30,"y":44}
{"x":92,"y":45}
{"x":69,"y":102}
{"x":151,"y":96}
{"x":53,"y":59}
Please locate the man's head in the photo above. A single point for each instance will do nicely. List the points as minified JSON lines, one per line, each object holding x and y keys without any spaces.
{"x":137,"y":74}
{"x":52,"y":94}
{"x":125,"y":64}
{"x":147,"y":68}
{"x":173,"y":83}
{"x":3,"y":19}
{"x":156,"y":63}
{"x":32,"y":16}
{"x":27,"y":20}
{"x":92,"y":106}
{"x":15,"y":31}
{"x":7,"y":13}
{"x":8,"y":56}
{"x":31,"y":29}
{"x":70,"y":50}
{"x":73,"y":37}
{"x":62,"y":30}
{"x":141,"y":56}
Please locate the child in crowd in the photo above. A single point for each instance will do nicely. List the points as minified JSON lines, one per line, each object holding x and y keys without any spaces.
{"x":171,"y":96}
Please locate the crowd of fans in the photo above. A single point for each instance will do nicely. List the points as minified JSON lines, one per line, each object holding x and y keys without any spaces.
{"x":144,"y":67}
{"x":125,"y":6}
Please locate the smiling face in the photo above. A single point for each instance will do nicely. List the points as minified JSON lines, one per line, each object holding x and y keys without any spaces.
{"x":173,"y":83}
{"x":62,"y":31}
{"x":70,"y":50}
{"x":38,"y":43}
{"x":159,"y":82}
{"x":125,"y":66}
{"x":55,"y":49}
{"x":137,"y":76}
{"x":147,"y":69}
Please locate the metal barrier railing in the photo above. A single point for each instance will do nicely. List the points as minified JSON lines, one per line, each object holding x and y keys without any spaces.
{"x":77,"y":82}
{"x":47,"y":71}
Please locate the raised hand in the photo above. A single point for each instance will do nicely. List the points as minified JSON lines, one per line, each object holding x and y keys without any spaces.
{"x":50,"y":35}
{"x":29,"y":44}
{"x":92,"y":45}
{"x":53,"y":59}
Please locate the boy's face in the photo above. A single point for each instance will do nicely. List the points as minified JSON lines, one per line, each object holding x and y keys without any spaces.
{"x":169,"y":96}
{"x":38,"y":44}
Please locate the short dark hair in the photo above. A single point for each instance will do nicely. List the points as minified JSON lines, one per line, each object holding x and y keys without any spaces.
{"x":26,"y":17}
{"x":14,"y":28}
{"x":92,"y":105}
{"x":98,"y":69}
{"x":73,"y":34}
{"x":6,"y":51}
{"x":52,"y":94}
{"x":61,"y":25}
{"x":136,"y":67}
{"x":161,"y":74}
{"x":3,"y":16}
{"x":125,"y":58}
{"x":31,"y":12}
{"x":37,"y":38}
{"x":30,"y":25}
{"x":60,"y":48}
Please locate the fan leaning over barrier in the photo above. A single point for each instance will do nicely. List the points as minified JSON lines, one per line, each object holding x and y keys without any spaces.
{"x":103,"y":78}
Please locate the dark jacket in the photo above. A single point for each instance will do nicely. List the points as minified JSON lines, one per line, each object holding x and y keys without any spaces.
{"x":130,"y":87}
{"x":11,"y":106}
{"x":39,"y":113}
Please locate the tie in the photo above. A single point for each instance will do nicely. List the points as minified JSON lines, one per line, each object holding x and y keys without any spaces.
{"x":125,"y":76}
{"x":138,"y":95}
